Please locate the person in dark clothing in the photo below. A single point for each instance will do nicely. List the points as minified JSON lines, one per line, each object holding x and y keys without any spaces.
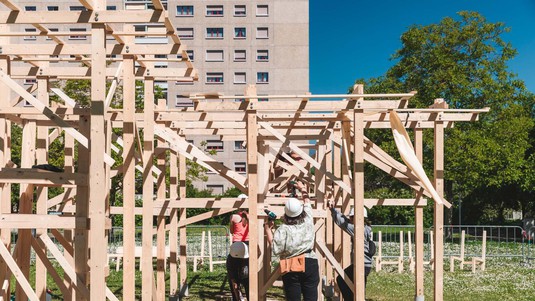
{"x":238,"y":270}
{"x":346,"y":223}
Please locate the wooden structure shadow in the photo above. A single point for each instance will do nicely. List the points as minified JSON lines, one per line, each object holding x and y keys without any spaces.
{"x":333,"y":129}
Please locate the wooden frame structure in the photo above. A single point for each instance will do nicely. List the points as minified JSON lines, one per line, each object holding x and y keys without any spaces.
{"x":334,"y":129}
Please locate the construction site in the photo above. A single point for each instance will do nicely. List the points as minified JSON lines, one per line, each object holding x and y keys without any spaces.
{"x":112,"y":136}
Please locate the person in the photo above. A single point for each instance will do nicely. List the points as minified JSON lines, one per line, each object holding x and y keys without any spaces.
{"x":346,"y":223}
{"x":239,"y":225}
{"x":238,"y":270}
{"x":293,"y":238}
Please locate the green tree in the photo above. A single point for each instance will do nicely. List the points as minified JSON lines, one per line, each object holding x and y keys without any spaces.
{"x":489,"y":163}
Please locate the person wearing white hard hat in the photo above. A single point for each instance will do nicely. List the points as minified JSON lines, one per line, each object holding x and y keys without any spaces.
{"x":346,"y":223}
{"x":238,"y":270}
{"x":293,"y":242}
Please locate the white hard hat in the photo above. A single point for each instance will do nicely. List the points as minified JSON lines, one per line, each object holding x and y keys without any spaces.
{"x":239,"y":249}
{"x":242,"y":196}
{"x":352,"y":212}
{"x":293,"y":207}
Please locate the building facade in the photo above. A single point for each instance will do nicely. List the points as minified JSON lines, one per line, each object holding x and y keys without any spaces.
{"x":231,"y":43}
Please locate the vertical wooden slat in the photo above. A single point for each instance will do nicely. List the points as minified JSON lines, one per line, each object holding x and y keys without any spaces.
{"x":252,"y":177}
{"x":329,"y":237}
{"x":42,"y":191}
{"x":160,"y":228}
{"x":5,"y":189}
{"x":173,"y":225}
{"x":182,"y":231}
{"x":148,"y":191}
{"x":346,"y":240}
{"x":419,"y":226}
{"x":68,"y":234}
{"x":439,"y":211}
{"x":337,"y":246}
{"x":97,"y":173}
{"x":358,"y":198}
{"x":129,"y":174}
{"x":81,"y":236}
{"x":29,"y":129}
{"x":319,"y":178}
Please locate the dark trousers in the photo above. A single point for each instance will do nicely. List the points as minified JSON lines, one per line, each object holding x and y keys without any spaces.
{"x":347,"y":294}
{"x":306,"y":284}
{"x":243,"y":283}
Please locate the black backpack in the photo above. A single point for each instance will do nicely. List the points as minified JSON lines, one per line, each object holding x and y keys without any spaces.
{"x":371,"y":249}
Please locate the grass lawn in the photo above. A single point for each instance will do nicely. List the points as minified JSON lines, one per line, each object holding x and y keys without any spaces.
{"x":502,"y":280}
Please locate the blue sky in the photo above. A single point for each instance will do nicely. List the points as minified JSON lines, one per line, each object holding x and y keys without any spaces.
{"x":352,"y":39}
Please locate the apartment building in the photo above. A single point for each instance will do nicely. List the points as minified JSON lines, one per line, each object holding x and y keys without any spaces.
{"x":232,"y":44}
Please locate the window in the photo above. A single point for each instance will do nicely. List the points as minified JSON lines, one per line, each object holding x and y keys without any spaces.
{"x":32,"y":37}
{"x":78,"y":37}
{"x":240,"y":78}
{"x":262,"y":77}
{"x":51,"y":30}
{"x":214,"y":77}
{"x":216,"y":189}
{"x":240,"y":11}
{"x":214,"y":32}
{"x":239,"y":55}
{"x":216,"y":145}
{"x":30,"y":81}
{"x":191,"y":55}
{"x":239,"y":146}
{"x":240,"y":33}
{"x":239,"y":100}
{"x":262,"y":10}
{"x":52,"y":8}
{"x":163,"y":63}
{"x":185,"y":33}
{"x":262,"y":33}
{"x":214,"y":55}
{"x":184,"y":10}
{"x":111,"y":7}
{"x":183,"y":101}
{"x":214,"y":10}
{"x":240,"y":167}
{"x":30,"y":8}
{"x":78,"y":8}
{"x":262,"y":55}
{"x":262,"y":99}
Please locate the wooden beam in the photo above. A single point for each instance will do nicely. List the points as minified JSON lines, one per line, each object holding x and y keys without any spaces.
{"x":87,"y":4}
{"x":252,"y":192}
{"x":34,"y":221}
{"x":67,"y":269}
{"x":47,"y":112}
{"x":438,"y":222}
{"x":129,"y":180}
{"x":21,"y":280}
{"x":148,"y":192}
{"x":38,"y":177}
{"x":11,"y":5}
{"x":98,"y":196}
{"x":83,"y":17}
{"x":191,"y":152}
{"x":203,"y":216}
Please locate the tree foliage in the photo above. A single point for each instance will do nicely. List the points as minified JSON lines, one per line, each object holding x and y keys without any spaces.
{"x":464,"y":61}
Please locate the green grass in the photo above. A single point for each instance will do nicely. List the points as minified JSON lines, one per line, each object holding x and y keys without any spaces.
{"x":502,"y":280}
